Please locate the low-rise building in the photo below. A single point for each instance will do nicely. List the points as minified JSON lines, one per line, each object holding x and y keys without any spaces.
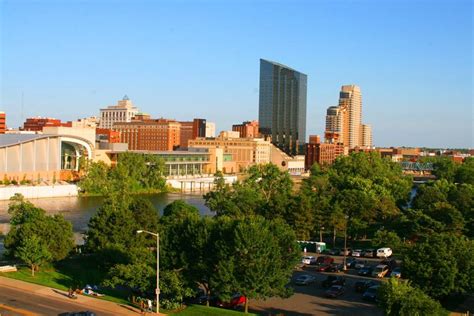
{"x":248,"y":129}
{"x":322,"y":153}
{"x":3,"y":123}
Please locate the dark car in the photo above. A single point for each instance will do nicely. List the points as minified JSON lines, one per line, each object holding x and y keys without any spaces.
{"x":335,"y":291}
{"x":334,"y":251}
{"x":369,"y":253}
{"x":213,"y":300}
{"x":334,"y":280}
{"x":350,"y":262}
{"x":391,"y":263}
{"x":86,"y":313}
{"x":366,"y":271}
{"x":363,"y":285}
{"x":371,"y":293}
{"x":335,"y":267}
{"x":323,"y":267}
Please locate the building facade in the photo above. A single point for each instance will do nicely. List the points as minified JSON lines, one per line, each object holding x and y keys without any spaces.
{"x":322,"y":153}
{"x":343,"y":122}
{"x":3,"y":122}
{"x":282,"y":106}
{"x":248,"y":129}
{"x":210,"y":129}
{"x":243,"y":152}
{"x":36,"y":124}
{"x":191,"y":130}
{"x":155,"y":135}
{"x":124,"y":111}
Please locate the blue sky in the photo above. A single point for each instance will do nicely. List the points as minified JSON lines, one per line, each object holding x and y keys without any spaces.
{"x":185,"y":59}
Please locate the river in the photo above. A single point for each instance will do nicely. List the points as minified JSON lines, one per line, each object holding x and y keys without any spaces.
{"x":78,"y":210}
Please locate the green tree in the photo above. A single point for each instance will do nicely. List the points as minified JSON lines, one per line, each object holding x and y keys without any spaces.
{"x":399,"y":298}
{"x":447,"y":264}
{"x":385,"y":238}
{"x":33,"y":253}
{"x":465,"y":172}
{"x":256,"y":257}
{"x":27,"y":220}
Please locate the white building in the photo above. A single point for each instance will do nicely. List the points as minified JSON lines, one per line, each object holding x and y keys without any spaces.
{"x":124,"y":111}
{"x":210,"y":129}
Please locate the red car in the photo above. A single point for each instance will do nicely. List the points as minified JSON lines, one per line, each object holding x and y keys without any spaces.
{"x":323,"y":268}
{"x":236,"y":301}
{"x":321,"y":260}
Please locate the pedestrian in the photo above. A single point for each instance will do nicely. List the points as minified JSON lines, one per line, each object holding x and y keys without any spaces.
{"x":304,"y":250}
{"x":150,"y":305}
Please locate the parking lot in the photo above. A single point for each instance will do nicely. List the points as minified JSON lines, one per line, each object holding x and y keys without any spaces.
{"x":310,"y":299}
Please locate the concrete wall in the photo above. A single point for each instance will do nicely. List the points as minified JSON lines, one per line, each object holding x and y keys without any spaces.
{"x":40,"y":191}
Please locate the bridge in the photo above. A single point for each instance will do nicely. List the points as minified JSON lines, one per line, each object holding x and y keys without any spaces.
{"x":417,"y":166}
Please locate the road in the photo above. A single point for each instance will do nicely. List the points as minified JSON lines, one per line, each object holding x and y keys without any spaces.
{"x":21,"y":298}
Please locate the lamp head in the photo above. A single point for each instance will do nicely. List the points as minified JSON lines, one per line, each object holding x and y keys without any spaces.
{"x":139,"y":231}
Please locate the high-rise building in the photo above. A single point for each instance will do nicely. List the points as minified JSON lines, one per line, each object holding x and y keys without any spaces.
{"x":282,"y":106}
{"x":248,"y":129}
{"x":124,"y":111}
{"x":343,"y":122}
{"x":3,"y":123}
{"x":366,"y":136}
{"x":210,"y":129}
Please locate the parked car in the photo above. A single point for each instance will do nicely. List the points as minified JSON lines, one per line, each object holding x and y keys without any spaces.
{"x":366,"y":271}
{"x":350,"y":262}
{"x":356,"y":252}
{"x":323,"y":267}
{"x":348,"y":252}
{"x":369,"y":253}
{"x":236,"y":301}
{"x":380,"y":271}
{"x":363,"y":285}
{"x":335,"y":291}
{"x":391,"y":263}
{"x":359,"y":264}
{"x":308,"y":260}
{"x":333,"y":280}
{"x":384,"y":252}
{"x":371,"y":293}
{"x":335,"y":267}
{"x":304,"y":279}
{"x":213,"y":300}
{"x":85,"y":313}
{"x":324,"y":260}
{"x":397,"y":273}
{"x":334,"y":251}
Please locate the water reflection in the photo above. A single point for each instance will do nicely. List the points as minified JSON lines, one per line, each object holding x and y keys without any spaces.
{"x":78,"y":210}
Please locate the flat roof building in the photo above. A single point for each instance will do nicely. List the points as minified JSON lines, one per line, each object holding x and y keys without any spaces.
{"x":282,"y":106}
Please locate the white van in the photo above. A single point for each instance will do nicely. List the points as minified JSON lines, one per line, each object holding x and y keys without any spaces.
{"x":384,"y":252}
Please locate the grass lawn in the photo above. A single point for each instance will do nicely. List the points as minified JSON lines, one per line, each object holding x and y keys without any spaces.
{"x":69,"y":273}
{"x":197,"y":310}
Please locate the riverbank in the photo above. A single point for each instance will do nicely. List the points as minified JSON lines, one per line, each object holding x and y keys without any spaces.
{"x":39,"y":191}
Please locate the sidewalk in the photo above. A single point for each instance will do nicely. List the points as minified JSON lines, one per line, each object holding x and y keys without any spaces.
{"x":82,"y":301}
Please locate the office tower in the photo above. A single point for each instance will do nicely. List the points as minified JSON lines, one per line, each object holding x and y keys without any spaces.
{"x":282,"y":106}
{"x":124,"y":111}
{"x":248,"y":129}
{"x":334,"y":125}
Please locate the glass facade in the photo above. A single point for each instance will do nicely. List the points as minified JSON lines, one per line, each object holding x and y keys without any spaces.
{"x":282,"y":106}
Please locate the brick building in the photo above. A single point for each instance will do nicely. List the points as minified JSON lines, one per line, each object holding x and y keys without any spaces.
{"x":3,"y":123}
{"x":248,"y":129}
{"x":37,"y":123}
{"x":322,"y":153}
{"x":191,"y":130}
{"x":159,"y":134}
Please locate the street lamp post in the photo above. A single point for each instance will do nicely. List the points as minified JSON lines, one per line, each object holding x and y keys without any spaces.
{"x":157,"y":291}
{"x":345,"y":243}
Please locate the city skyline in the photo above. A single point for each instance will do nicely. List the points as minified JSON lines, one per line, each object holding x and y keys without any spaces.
{"x":416,"y":75}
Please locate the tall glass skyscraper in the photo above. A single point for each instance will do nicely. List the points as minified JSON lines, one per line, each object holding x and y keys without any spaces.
{"x":282,"y":106}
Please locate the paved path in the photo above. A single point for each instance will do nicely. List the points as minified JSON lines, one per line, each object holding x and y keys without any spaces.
{"x":22,"y":298}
